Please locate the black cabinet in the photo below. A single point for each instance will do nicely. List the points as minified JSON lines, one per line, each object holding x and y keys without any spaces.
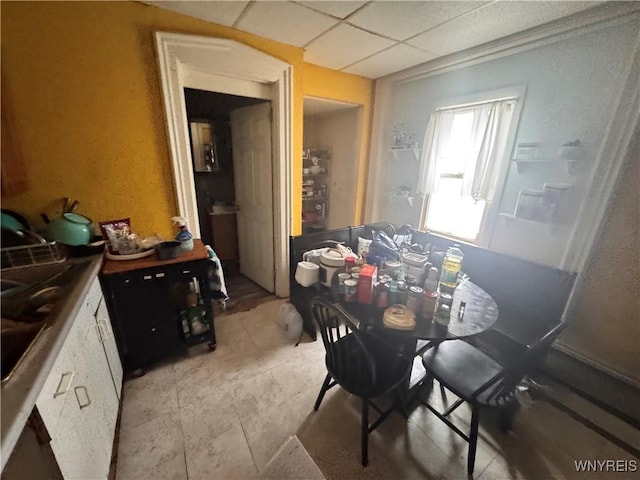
{"x":159,"y":310}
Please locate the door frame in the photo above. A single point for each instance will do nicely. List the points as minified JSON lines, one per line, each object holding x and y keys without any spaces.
{"x":226,"y":66}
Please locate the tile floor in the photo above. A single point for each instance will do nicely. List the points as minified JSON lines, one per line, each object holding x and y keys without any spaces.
{"x":223,"y":415}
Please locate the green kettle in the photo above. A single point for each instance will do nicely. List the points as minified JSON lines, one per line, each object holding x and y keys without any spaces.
{"x":70,"y":229}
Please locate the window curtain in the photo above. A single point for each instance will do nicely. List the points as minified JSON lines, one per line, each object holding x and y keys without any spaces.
{"x":492,"y":148}
{"x":435,"y":137}
{"x":490,"y":130}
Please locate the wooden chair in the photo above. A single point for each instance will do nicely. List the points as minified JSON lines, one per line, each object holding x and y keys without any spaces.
{"x":358,"y":363}
{"x":476,"y":378}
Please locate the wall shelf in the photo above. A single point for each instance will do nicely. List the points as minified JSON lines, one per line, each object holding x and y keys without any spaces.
{"x":522,"y":164}
{"x":570,"y":165}
{"x":510,"y":218}
{"x":398,"y":151}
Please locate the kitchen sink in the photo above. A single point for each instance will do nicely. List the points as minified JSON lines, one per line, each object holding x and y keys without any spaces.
{"x":31,"y":298}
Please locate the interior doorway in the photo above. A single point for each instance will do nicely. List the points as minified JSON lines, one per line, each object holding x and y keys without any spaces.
{"x":227,"y":66}
{"x":331,"y":138}
{"x":221,"y":184}
{"x":214,"y":180}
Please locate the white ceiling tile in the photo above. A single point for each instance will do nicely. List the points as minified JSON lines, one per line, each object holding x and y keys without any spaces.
{"x":220,"y":12}
{"x":392,"y":60}
{"x":285,"y":22}
{"x":343,"y":46}
{"x":339,"y":8}
{"x":404,"y":19}
{"x":493,"y":21}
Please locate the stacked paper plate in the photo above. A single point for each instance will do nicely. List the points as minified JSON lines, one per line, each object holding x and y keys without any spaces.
{"x":399,"y":317}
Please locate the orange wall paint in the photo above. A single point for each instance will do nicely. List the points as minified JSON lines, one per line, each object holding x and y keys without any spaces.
{"x":86,"y":97}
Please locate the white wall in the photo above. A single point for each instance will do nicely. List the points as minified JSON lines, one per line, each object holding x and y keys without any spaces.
{"x":572,"y":89}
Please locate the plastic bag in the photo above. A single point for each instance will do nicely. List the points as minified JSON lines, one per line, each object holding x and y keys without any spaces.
{"x":290,"y":320}
{"x":382,"y":247}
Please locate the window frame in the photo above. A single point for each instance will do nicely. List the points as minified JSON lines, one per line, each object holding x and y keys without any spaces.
{"x":490,"y":214}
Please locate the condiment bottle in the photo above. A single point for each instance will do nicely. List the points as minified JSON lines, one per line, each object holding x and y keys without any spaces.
{"x":382,"y":293}
{"x":414,"y":299}
{"x":349,"y":263}
{"x":431,"y":283}
{"x":429,"y":303}
{"x":451,"y":266}
{"x":403,"y":291}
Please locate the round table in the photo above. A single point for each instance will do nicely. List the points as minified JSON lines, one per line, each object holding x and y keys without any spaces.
{"x":479,"y":314}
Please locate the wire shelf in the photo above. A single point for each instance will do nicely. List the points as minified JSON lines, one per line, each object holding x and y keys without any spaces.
{"x":29,"y":255}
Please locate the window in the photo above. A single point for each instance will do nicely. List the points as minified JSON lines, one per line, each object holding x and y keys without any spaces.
{"x":460,"y":168}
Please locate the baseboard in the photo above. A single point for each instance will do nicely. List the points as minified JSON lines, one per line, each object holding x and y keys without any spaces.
{"x":613,"y":395}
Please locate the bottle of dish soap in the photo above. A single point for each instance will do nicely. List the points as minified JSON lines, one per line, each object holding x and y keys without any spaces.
{"x":184,"y":236}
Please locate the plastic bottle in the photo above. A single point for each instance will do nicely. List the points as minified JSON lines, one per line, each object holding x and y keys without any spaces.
{"x":451,"y":265}
{"x":184,"y":236}
{"x":431,"y":283}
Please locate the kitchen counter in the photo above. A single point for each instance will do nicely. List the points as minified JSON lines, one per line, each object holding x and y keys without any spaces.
{"x":20,"y":392}
{"x":199,"y":252}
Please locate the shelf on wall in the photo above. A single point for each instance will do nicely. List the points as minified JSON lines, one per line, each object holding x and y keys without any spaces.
{"x":569,"y":164}
{"x":510,"y":217}
{"x":397,"y":151}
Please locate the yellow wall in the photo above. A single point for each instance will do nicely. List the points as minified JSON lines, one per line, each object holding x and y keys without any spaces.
{"x":85,"y":94}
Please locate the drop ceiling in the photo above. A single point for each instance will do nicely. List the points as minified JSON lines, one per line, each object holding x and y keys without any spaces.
{"x":376,"y":38}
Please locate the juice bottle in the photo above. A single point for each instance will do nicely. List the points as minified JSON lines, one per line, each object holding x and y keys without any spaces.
{"x":451,"y":266}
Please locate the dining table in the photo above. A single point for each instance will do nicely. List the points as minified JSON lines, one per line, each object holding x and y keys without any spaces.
{"x":472,"y":312}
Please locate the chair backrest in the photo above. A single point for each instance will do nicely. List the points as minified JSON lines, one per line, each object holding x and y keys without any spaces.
{"x":526,"y":364}
{"x":348,"y":359}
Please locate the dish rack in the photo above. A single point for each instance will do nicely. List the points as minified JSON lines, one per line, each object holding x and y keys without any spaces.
{"x":30,"y":255}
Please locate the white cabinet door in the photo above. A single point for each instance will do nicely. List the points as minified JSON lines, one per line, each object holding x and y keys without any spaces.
{"x":73,"y":440}
{"x":109,"y":345}
{"x":96,"y":396}
{"x":82,"y":434}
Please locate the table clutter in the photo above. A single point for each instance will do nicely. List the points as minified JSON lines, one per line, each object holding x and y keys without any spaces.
{"x":408,"y":283}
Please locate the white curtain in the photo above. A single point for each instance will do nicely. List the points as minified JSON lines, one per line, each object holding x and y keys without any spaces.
{"x":481,"y":116}
{"x":490,"y":130}
{"x":491,"y":151}
{"x":436,"y":135}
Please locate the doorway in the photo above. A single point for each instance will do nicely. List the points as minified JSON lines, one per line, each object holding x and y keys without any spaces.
{"x":226,"y":66}
{"x":216,"y":175}
{"x":331,"y":138}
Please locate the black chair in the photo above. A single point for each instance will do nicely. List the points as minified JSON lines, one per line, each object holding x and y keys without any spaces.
{"x":476,"y":378}
{"x":359,"y":363}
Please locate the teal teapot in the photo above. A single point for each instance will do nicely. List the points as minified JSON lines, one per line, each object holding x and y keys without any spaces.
{"x":70,"y":229}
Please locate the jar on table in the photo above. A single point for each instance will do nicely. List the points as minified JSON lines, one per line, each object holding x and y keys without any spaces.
{"x":393,"y":293}
{"x":443,"y":315}
{"x":381,"y":292}
{"x":429,"y":304}
{"x":392,"y":268}
{"x":403,"y":291}
{"x":349,"y":263}
{"x":351,"y":290}
{"x":414,"y":299}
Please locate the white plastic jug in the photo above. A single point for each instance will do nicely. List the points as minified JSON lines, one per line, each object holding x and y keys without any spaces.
{"x":290,"y":320}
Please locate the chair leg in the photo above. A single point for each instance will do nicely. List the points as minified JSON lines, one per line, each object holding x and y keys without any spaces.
{"x":402,"y":403}
{"x":364,"y":431}
{"x":323,"y":390}
{"x":473,"y":438}
{"x":507,"y":414}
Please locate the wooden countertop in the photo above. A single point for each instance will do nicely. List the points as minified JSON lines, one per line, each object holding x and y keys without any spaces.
{"x":109,"y":267}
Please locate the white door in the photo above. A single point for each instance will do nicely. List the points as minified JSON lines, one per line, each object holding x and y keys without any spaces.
{"x":252,"y":171}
